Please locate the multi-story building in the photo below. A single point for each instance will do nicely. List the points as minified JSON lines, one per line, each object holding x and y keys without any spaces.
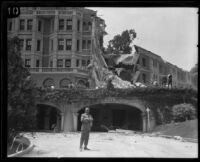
{"x":56,"y":43}
{"x":153,"y":67}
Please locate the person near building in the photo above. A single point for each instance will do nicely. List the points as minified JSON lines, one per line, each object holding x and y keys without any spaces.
{"x":86,"y":120}
{"x":169,"y":80}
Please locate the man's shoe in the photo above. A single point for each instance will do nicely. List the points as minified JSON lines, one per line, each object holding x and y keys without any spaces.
{"x":81,"y":149}
{"x":86,"y":148}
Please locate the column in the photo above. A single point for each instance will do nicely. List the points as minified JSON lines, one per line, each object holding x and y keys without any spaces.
{"x":33,"y":42}
{"x":75,"y":121}
{"x":16,"y":25}
{"x":62,"y":121}
{"x":74,"y":31}
{"x":144,"y":121}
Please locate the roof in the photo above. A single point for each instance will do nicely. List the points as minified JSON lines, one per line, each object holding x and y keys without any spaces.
{"x":141,"y":50}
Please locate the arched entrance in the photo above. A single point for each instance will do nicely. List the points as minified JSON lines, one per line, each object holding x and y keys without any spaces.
{"x":48,"y":118}
{"x":114,"y":116}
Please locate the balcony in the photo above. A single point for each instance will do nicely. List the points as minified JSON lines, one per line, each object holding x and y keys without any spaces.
{"x":58,"y":70}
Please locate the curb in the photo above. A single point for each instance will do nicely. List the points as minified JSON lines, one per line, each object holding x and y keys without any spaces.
{"x":27,"y":150}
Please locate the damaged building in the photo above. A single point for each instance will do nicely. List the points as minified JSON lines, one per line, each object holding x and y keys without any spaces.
{"x":62,"y":48}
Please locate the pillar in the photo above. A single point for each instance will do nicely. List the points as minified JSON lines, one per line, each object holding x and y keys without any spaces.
{"x":62,"y":121}
{"x":75,"y":121}
{"x":144,"y":121}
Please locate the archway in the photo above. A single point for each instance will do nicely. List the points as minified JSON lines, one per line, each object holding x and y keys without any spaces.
{"x":48,"y":118}
{"x":114,"y":116}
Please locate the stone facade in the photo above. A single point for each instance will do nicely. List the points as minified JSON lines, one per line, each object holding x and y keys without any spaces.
{"x":56,"y":43}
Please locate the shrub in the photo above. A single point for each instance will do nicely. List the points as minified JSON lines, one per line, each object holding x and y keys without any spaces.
{"x":183,"y":112}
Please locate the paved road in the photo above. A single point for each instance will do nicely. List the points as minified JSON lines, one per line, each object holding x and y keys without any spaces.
{"x":110,"y":145}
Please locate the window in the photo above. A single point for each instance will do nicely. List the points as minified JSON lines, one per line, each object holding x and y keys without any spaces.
{"x":154,"y":63}
{"x":29,"y":24}
{"x":64,"y":83}
{"x":38,"y":45}
{"x":138,"y":62}
{"x":89,"y":26}
{"x":21,"y":44}
{"x":69,"y":24}
{"x":144,"y":62}
{"x":89,"y":44}
{"x":60,"y":44}
{"x":77,"y":63}
{"x":22,"y":24}
{"x":61,"y":24}
{"x":68,"y":44}
{"x":67,"y":63}
{"x":51,"y":63}
{"x":83,"y":63}
{"x":51,"y":44}
{"x":77,"y":45}
{"x":78,"y":25}
{"x":88,"y":62}
{"x":27,"y":62}
{"x":10,"y":26}
{"x":39,"y":25}
{"x":37,"y":63}
{"x":84,"y":26}
{"x":59,"y":63}
{"x":28,"y":44}
{"x":144,"y":78}
{"x":84,"y":44}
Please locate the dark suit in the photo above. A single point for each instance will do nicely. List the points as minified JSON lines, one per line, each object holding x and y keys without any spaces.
{"x":86,"y":120}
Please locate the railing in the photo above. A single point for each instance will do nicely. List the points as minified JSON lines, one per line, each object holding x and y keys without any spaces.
{"x":57,"y":69}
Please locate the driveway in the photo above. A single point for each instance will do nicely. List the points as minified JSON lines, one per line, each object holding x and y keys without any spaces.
{"x":110,"y":145}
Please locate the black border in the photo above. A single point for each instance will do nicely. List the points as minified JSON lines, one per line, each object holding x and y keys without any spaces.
{"x":74,"y":3}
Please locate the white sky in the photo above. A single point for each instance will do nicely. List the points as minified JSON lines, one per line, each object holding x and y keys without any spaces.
{"x":171,"y":33}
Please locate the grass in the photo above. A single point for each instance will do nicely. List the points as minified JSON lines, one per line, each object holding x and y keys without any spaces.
{"x":187,"y":129}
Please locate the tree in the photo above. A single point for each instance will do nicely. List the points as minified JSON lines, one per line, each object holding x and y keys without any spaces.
{"x":21,"y":90}
{"x":121,"y":43}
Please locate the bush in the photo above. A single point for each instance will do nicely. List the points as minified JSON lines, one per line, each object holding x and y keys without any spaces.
{"x":183,"y":112}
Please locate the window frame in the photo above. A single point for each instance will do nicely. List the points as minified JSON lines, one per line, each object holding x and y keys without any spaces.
{"x":68,"y":61}
{"x":22,"y":25}
{"x":69,"y":27}
{"x":28,"y":47}
{"x":29,"y":26}
{"x":27,"y":62}
{"x":68,"y":47}
{"x":59,"y":63}
{"x":61,"y":25}
{"x":61,"y":45}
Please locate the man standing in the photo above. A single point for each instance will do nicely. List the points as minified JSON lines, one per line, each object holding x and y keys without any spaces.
{"x":86,"y":120}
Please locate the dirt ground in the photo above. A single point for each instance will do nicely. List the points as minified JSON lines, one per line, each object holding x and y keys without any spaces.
{"x":110,"y":145}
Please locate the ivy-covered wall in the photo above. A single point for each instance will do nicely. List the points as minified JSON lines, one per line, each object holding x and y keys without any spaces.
{"x":159,"y":100}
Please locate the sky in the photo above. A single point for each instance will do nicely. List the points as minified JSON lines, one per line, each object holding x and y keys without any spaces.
{"x":171,"y":33}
